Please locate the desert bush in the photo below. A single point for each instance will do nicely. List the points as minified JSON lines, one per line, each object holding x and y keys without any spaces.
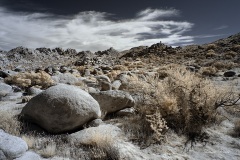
{"x":9,"y":123}
{"x":29,"y":79}
{"x":236,"y":48}
{"x":230,"y":55}
{"x":120,"y":67}
{"x":211,"y":46}
{"x":220,"y":65}
{"x":208,"y":71}
{"x":211,"y":53}
{"x":185,"y":101}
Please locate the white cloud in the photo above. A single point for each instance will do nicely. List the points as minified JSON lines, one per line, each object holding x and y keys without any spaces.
{"x":90,"y":30}
{"x":221,"y":27}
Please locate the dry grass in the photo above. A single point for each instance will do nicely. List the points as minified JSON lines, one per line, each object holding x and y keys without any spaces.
{"x":30,"y":140}
{"x":29,"y":79}
{"x":102,"y":146}
{"x":49,"y":150}
{"x":9,"y":123}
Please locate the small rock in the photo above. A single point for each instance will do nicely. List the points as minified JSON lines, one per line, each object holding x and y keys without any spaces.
{"x":229,"y":74}
{"x":191,"y":68}
{"x":95,"y":123}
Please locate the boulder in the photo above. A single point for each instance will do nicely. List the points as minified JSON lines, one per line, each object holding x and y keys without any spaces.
{"x":116,"y":84}
{"x":66,"y":78}
{"x":61,"y":108}
{"x":4,"y":89}
{"x":229,"y":74}
{"x":11,"y":146}
{"x":113,"y":100}
{"x":29,"y":156}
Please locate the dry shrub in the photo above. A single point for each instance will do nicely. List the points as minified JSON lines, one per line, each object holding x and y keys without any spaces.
{"x":230,"y":55}
{"x":120,"y":67}
{"x":81,"y":85}
{"x":211,"y":53}
{"x":9,"y":123}
{"x":113,"y":74}
{"x":29,"y":79}
{"x":220,"y":65}
{"x":236,"y":48}
{"x":81,"y":69}
{"x":49,"y":150}
{"x":185,"y":101}
{"x":211,"y":46}
{"x":208,"y":71}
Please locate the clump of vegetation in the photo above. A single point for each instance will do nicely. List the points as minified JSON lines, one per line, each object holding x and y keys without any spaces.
{"x":29,"y":79}
{"x":221,"y":65}
{"x":103,"y":147}
{"x":208,"y":71}
{"x":211,"y":46}
{"x":120,"y":67}
{"x":182,"y":101}
{"x":230,"y":55}
{"x":211,"y":53}
{"x":9,"y":123}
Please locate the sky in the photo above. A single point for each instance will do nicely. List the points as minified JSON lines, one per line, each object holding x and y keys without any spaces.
{"x":122,"y":24}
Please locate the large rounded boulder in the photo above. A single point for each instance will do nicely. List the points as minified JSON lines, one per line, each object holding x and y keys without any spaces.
{"x":61,"y":108}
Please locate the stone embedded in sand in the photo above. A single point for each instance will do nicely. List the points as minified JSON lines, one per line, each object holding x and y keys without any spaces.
{"x":61,"y":108}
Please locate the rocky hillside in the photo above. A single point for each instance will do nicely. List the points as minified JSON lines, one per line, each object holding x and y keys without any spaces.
{"x":149,"y":102}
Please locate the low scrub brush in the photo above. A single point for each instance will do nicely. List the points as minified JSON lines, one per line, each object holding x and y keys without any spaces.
{"x":182,"y":101}
{"x":29,"y":79}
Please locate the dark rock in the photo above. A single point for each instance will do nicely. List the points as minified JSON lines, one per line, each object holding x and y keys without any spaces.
{"x":229,"y":74}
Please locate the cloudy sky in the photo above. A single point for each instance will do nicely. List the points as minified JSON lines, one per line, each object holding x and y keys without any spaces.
{"x":122,"y":24}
